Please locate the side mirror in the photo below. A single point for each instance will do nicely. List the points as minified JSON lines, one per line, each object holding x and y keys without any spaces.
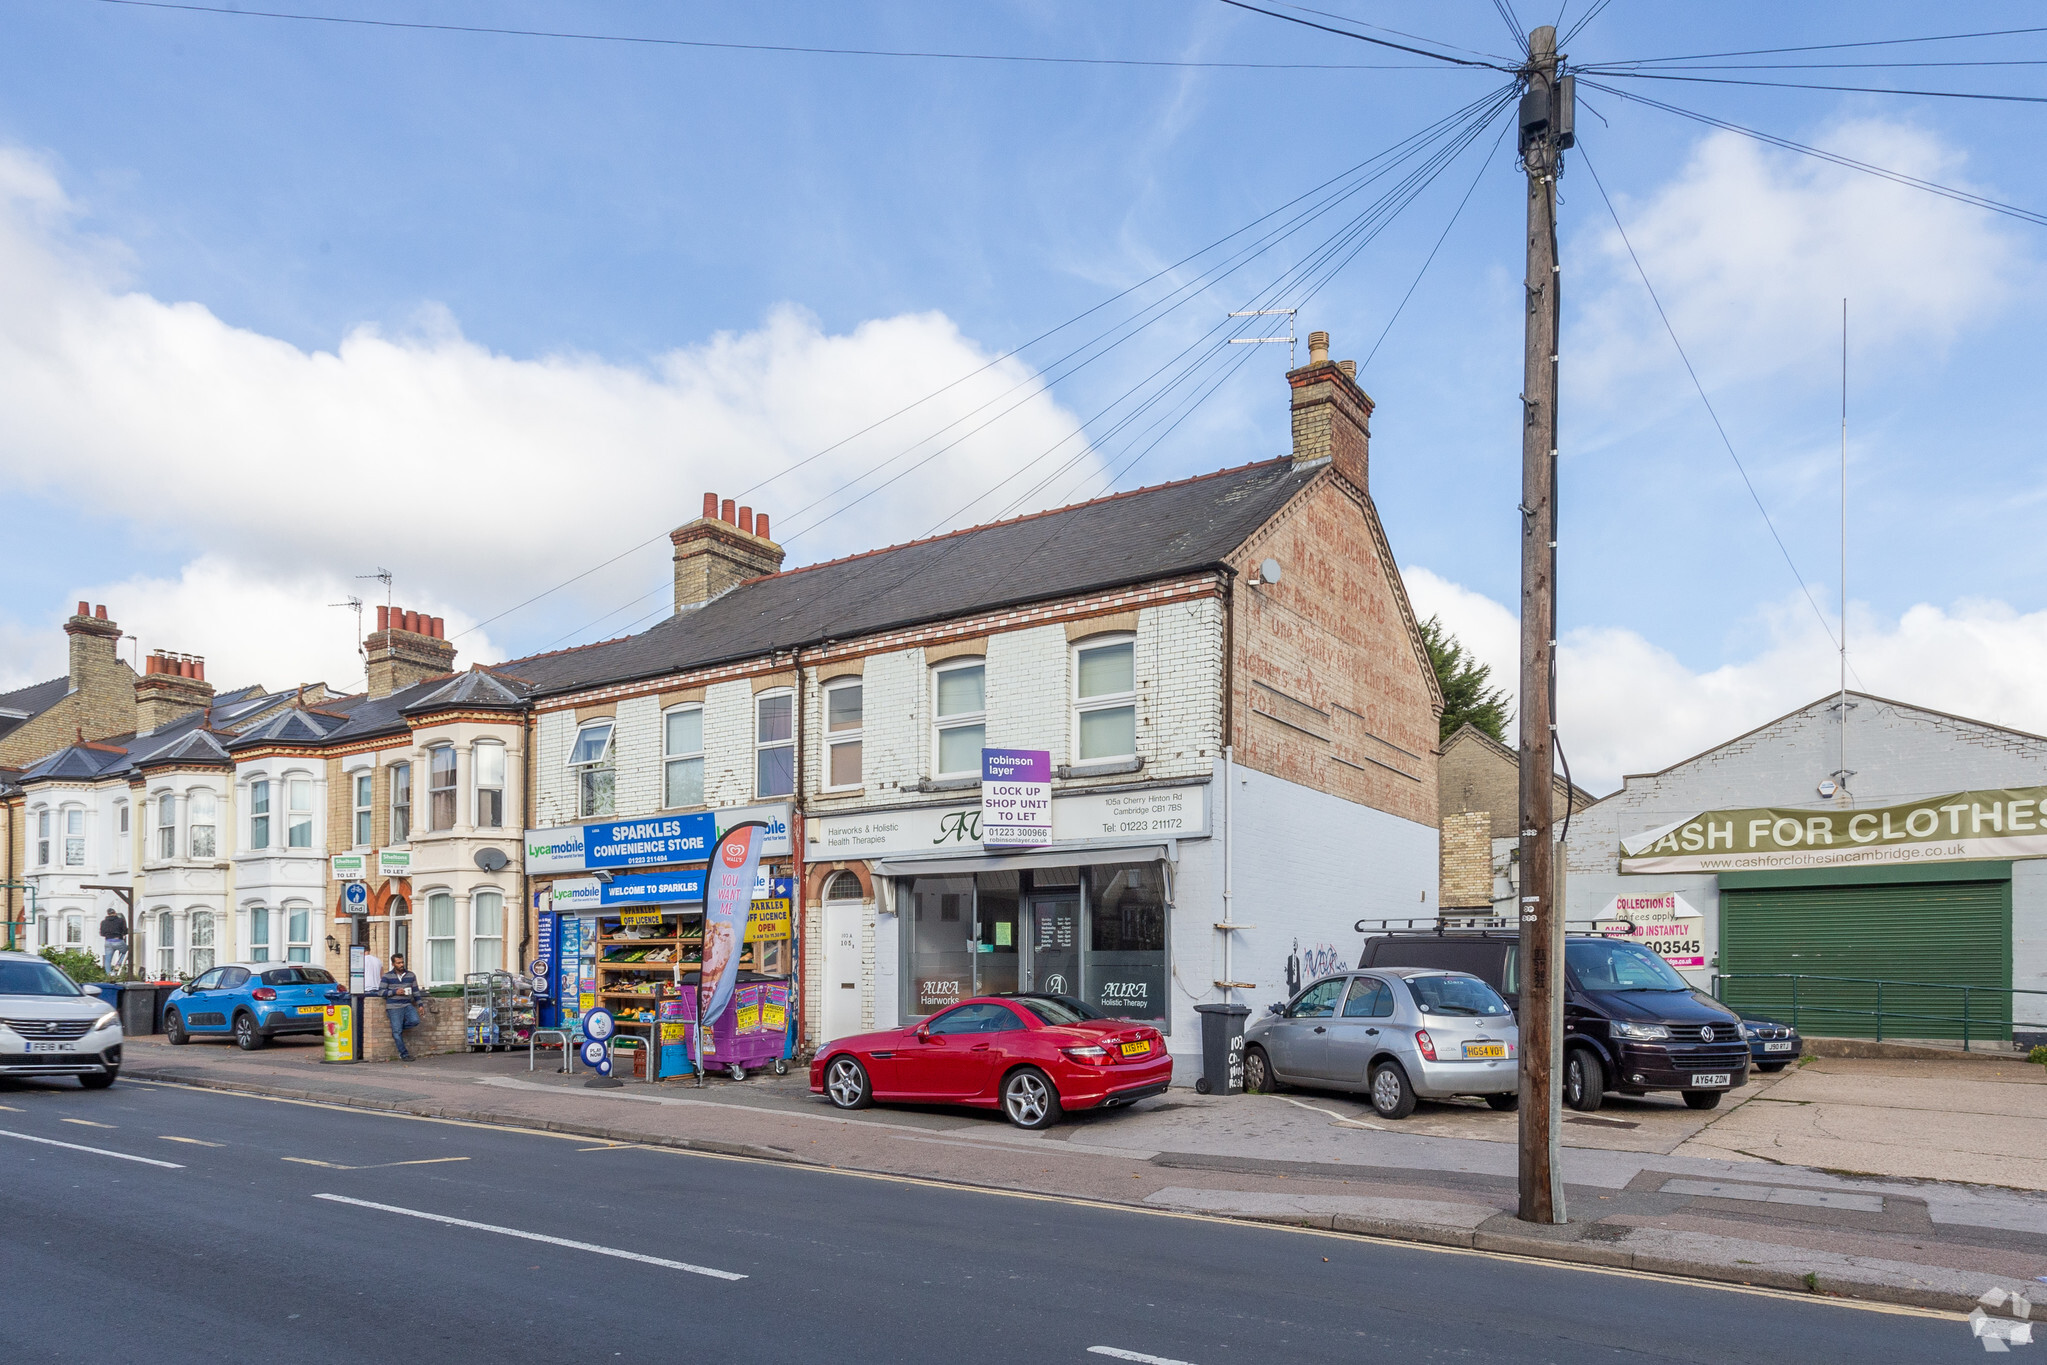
{"x":923,"y":1033}
{"x":1275,"y":1008}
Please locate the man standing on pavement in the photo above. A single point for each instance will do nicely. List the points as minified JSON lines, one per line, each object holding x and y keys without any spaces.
{"x":114,"y":930}
{"x":400,"y":989}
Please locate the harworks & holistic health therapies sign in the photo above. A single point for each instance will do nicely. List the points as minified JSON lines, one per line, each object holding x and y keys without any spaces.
{"x":2007,"y":823}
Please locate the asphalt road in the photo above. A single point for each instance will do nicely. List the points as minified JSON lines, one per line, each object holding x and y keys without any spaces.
{"x":287,"y":1232}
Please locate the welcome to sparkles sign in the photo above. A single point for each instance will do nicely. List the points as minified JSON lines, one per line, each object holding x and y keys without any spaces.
{"x":1016,"y":798}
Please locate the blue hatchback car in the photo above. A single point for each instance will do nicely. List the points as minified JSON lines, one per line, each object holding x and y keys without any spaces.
{"x":251,"y":1002}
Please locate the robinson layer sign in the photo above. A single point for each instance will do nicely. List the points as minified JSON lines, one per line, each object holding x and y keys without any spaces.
{"x":2011,"y":823}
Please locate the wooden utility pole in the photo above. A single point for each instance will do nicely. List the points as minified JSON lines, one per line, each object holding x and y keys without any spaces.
{"x":1545,"y":132}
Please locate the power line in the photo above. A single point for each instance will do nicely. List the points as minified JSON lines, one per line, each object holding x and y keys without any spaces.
{"x":1364,"y":38}
{"x":649,"y":41}
{"x":1899,"y":177}
{"x":1400,"y":33}
{"x":1829,"y":47}
{"x":1821,"y":66}
{"x":1807,"y":85}
{"x":1739,"y":467}
{"x":1579,"y":27}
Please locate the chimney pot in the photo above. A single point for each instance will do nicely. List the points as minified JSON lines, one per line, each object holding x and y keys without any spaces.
{"x":760,"y":525}
{"x":1349,"y":367}
{"x":711,"y":505}
{"x":199,"y":669}
{"x":85,"y":609}
{"x":100,"y":612}
{"x":746,"y":520}
{"x":726,"y":512}
{"x":149,"y":665}
{"x":1318,"y":348}
{"x":440,"y":628}
{"x":412,"y":621}
{"x":383,"y":618}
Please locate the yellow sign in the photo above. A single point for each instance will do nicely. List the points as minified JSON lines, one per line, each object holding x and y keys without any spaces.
{"x":338,"y":1030}
{"x":768,"y":920}
{"x":640,"y":918}
{"x":747,"y":1017}
{"x":774,"y":1016}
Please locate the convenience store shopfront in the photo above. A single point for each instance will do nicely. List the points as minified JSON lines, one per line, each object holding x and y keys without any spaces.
{"x":619,"y":908}
{"x":1094,"y":915}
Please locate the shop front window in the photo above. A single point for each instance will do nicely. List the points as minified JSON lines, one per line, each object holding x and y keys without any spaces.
{"x":1125,"y":967}
{"x":941,"y":948}
{"x":998,"y":907}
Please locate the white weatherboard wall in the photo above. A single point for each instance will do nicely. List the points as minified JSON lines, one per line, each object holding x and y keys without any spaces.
{"x":1308,"y":866}
{"x":1898,"y":753}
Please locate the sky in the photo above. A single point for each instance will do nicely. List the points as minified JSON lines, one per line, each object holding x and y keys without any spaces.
{"x":284,"y":304}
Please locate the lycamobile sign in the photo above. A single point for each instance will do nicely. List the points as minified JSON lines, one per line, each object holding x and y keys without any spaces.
{"x":2008,"y":823}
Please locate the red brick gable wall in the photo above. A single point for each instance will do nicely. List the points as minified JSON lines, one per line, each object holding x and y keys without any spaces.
{"x":1328,"y":689}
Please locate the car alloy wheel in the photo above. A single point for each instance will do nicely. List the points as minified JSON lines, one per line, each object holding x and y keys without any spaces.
{"x":845,"y":1082}
{"x":1029,"y":1100}
{"x":1584,"y":1081}
{"x":174,"y":1029}
{"x":247,"y":1037}
{"x":1258,"y":1072}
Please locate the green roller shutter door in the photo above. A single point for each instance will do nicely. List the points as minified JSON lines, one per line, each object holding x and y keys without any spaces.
{"x":1946,"y":933}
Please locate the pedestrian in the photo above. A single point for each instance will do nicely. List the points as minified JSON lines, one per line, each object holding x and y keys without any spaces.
{"x":372,"y":973}
{"x":400,"y":989}
{"x":114,"y":930}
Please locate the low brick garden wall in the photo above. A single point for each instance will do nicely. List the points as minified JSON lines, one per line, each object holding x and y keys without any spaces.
{"x":440,"y":1029}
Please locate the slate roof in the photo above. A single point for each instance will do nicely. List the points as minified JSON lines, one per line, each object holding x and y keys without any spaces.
{"x":78,"y":763}
{"x":32,"y":700}
{"x":1134,"y":537}
{"x":288,"y":727}
{"x":473,"y":690}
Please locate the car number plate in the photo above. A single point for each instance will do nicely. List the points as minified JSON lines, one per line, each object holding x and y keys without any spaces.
{"x":1485,"y":1050}
{"x":312,"y":1009}
{"x":1777,"y":1047}
{"x":1711,"y":1078}
{"x":1137,"y":1049}
{"x":53,"y":1047}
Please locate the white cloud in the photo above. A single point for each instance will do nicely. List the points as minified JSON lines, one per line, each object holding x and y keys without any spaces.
{"x":1752,"y":250}
{"x":1626,"y":705}
{"x":478,"y":478}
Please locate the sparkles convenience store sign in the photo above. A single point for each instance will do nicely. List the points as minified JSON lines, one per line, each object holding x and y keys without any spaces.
{"x":2007,"y":823}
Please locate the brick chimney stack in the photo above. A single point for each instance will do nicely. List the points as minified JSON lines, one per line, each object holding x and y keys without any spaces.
{"x":720,"y":550}
{"x":171,"y":686}
{"x":1332,"y":415}
{"x":93,"y":639}
{"x":406,"y":648}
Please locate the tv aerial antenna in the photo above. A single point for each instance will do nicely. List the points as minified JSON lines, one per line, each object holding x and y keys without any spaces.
{"x":1260,"y":341}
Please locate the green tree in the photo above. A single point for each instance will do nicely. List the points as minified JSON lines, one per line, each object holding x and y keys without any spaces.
{"x":1466,"y":698}
{"x":81,"y":967}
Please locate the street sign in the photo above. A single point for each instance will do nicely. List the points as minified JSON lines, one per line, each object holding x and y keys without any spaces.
{"x":356,"y":896}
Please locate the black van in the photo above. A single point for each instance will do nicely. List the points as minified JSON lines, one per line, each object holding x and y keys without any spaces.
{"x":1631,"y":1024}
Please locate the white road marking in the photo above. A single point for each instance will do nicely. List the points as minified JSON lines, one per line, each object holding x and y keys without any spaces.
{"x":87,"y":1123}
{"x":1330,"y":1113}
{"x":382,"y":1165}
{"x":96,"y":1151}
{"x":540,"y":1237}
{"x":196,"y":1142}
{"x":1115,"y":1354}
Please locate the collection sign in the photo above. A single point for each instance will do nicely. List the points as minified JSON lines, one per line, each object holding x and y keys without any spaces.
{"x":2007,"y":823}
{"x":1016,"y":798}
{"x":1667,"y":925}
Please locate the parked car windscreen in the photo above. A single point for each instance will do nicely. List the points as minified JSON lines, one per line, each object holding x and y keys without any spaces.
{"x":35,"y":978}
{"x":1466,"y":995}
{"x":1058,"y":1009}
{"x":1615,"y":965}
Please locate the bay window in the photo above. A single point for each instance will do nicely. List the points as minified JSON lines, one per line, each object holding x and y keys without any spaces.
{"x":843,"y":713}
{"x":1105,"y":700}
{"x":440,"y":786}
{"x":774,"y":744}
{"x":167,"y":944}
{"x":200,"y":810}
{"x":201,"y":957}
{"x":259,"y":933}
{"x":487,"y":766}
{"x":259,"y":814}
{"x":592,"y":761}
{"x":298,"y":932}
{"x":299,"y":812}
{"x":166,"y":826}
{"x":960,"y":727}
{"x":440,"y":938}
{"x":487,"y":931}
{"x":682,"y":757}
{"x":74,"y":836}
{"x":42,"y":838}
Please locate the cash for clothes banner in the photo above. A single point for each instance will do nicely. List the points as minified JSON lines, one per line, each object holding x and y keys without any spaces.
{"x":1016,"y":798}
{"x":2004,"y":823}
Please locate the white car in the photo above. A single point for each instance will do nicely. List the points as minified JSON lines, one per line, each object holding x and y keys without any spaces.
{"x":49,"y":1027}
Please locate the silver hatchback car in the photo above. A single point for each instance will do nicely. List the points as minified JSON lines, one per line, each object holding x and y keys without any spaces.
{"x":1396,"y":1033}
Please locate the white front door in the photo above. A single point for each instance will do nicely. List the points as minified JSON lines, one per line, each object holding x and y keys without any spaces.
{"x":841,"y":969}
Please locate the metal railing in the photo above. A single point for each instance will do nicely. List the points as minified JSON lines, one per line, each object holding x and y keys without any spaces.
{"x":1991,"y":1023}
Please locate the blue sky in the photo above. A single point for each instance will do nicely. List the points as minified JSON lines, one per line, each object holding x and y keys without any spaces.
{"x":288,"y":302}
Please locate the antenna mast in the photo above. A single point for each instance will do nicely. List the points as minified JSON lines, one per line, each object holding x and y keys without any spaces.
{"x":1259,"y":341}
{"x":1842,"y":774}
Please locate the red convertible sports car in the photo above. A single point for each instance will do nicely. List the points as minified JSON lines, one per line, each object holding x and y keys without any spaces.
{"x":1032,"y":1056}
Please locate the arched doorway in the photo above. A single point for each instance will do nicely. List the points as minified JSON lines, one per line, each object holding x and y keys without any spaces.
{"x":840,"y":1012}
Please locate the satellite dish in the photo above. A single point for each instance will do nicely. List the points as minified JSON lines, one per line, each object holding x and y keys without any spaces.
{"x":1268,"y":571}
{"x":491,"y":859}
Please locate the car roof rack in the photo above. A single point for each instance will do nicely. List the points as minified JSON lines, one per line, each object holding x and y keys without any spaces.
{"x":1494,"y":926}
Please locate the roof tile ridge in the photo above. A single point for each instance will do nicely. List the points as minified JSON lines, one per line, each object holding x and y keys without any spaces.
{"x":551,"y":654}
{"x":1021,"y":517}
